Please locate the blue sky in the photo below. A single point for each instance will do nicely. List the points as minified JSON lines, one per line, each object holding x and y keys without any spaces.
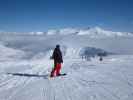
{"x":41,"y":15}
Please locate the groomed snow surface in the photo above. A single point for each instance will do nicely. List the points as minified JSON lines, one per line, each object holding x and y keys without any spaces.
{"x":111,"y":79}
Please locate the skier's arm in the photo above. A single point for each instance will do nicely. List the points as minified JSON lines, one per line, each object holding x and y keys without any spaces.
{"x":61,"y":58}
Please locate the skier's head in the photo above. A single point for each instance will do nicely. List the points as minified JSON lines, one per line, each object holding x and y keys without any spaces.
{"x":57,"y":46}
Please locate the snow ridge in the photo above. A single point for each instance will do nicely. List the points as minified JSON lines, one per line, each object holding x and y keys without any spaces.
{"x":94,"y":32}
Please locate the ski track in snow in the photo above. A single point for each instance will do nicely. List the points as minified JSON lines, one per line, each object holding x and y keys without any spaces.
{"x":107,"y":80}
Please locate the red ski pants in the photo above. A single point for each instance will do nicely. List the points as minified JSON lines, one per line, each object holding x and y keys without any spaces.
{"x":56,"y":69}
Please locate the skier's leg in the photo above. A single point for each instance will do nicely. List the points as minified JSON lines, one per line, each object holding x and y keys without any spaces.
{"x":58,"y":69}
{"x":53,"y":70}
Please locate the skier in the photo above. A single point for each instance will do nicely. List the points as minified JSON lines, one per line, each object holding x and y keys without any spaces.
{"x":101,"y":58}
{"x":57,"y":56}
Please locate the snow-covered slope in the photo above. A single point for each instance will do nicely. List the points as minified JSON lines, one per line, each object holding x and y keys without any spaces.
{"x":25,"y":66}
{"x":111,"y":79}
{"x":7,"y":54}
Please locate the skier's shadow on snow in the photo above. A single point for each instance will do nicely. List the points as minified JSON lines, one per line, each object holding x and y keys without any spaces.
{"x":29,"y":75}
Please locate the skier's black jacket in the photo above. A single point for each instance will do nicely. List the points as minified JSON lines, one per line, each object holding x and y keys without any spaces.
{"x":57,"y":55}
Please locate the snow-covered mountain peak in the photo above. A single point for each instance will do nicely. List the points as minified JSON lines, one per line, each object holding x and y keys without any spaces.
{"x":93,"y":32}
{"x":98,"y":32}
{"x":36,"y":33}
{"x":97,"y":29}
{"x":63,"y":31}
